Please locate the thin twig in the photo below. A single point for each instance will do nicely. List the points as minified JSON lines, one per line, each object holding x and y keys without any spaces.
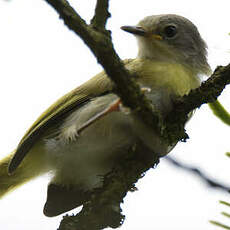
{"x":211,"y":182}
{"x":219,"y":111}
{"x":223,"y":226}
{"x":225,"y":214}
{"x":101,"y":14}
{"x":224,"y":203}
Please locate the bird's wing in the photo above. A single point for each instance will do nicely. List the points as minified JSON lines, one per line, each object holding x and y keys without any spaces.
{"x":96,"y":86}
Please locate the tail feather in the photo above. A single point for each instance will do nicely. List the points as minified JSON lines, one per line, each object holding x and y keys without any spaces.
{"x":31,"y":167}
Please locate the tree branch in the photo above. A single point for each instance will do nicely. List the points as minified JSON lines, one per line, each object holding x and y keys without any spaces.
{"x":223,"y":226}
{"x":206,"y":93}
{"x":100,"y":44}
{"x":103,"y":210}
{"x":101,"y":14}
{"x":192,"y":169}
{"x":219,"y":111}
{"x":70,"y":17}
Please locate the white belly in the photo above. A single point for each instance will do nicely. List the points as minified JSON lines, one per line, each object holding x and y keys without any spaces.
{"x":84,"y":159}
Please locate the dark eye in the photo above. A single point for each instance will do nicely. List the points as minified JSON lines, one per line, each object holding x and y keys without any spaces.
{"x":170,"y":31}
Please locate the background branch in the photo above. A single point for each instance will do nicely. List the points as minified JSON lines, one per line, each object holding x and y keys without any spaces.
{"x":225,"y":214}
{"x":196,"y":171}
{"x":220,"y":112}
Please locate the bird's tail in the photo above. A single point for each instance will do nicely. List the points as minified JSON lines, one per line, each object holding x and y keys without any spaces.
{"x":29,"y":169}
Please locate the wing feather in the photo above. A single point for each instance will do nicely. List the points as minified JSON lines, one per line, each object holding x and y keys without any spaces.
{"x":98,"y":85}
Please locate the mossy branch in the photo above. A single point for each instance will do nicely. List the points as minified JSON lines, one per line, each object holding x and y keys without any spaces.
{"x":208,"y":92}
{"x":100,"y":43}
{"x":103,"y":210}
{"x":101,"y":15}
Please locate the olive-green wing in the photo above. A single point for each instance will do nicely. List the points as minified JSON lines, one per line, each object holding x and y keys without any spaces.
{"x":98,"y":85}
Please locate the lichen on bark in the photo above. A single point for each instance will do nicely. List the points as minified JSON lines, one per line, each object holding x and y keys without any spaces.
{"x":103,"y":210}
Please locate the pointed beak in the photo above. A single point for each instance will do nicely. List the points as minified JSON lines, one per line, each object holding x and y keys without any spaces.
{"x":136,"y":30}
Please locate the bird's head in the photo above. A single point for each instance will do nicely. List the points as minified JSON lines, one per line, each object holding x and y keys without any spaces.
{"x":171,"y":38}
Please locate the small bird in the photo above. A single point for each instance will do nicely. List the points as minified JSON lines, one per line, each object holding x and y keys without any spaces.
{"x":83,"y":135}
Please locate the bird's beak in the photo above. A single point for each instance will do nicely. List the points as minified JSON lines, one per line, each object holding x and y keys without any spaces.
{"x":137,"y":30}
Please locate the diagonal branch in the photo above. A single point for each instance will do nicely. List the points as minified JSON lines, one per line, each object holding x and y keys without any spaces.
{"x":206,"y":93}
{"x":196,"y":171}
{"x":172,"y":129}
{"x":103,"y":210}
{"x":100,"y":44}
{"x":71,"y":18}
{"x":219,"y":111}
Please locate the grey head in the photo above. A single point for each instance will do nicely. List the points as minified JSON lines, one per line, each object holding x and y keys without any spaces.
{"x":170,"y":37}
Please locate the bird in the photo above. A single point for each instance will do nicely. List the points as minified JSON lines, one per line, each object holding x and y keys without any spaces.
{"x":82,"y":136}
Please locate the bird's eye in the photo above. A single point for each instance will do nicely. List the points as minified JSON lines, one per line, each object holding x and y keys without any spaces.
{"x":170,"y":31}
